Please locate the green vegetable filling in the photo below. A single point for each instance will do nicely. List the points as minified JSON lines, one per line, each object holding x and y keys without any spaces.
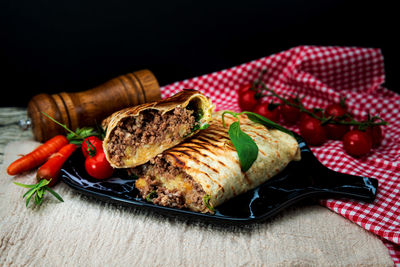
{"x":206,"y":200}
{"x":150,"y":196}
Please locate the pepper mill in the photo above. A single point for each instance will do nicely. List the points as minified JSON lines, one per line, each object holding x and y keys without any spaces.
{"x":90,"y":107}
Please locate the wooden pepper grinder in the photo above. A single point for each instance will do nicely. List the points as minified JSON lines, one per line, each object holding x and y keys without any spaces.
{"x":90,"y":107}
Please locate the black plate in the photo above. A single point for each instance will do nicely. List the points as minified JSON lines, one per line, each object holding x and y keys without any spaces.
{"x":300,"y":180}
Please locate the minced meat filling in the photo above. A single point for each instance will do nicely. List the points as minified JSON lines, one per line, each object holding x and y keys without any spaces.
{"x":163,"y":196}
{"x":150,"y":127}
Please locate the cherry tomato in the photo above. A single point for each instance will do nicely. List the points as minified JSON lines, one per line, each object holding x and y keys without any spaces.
{"x":269,"y":111}
{"x":98,"y":166}
{"x":335,"y":110}
{"x":90,"y":145}
{"x":305,"y":116}
{"x":245,"y":88}
{"x":290,"y":114}
{"x":336,"y":131}
{"x":375,"y":132}
{"x":312,"y":131}
{"x":357,"y":143}
{"x":247,"y":100}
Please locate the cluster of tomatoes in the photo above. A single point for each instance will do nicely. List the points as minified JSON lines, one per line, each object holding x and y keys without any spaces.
{"x":317,"y":125}
{"x":96,"y":164}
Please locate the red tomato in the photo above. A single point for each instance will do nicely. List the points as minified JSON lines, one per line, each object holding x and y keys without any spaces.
{"x":290,"y":114}
{"x":98,"y":166}
{"x":336,"y":131}
{"x":312,"y":131}
{"x":244,"y":88}
{"x":357,"y":143}
{"x":305,"y":116}
{"x":269,"y":111}
{"x":247,"y":100}
{"x":375,"y":132}
{"x":335,"y":110}
{"x":90,"y":145}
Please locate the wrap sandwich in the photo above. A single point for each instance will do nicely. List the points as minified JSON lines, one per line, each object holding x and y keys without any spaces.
{"x":137,"y":134}
{"x":204,"y":171}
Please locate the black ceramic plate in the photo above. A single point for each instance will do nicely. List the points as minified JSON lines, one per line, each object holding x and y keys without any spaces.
{"x":300,"y":180}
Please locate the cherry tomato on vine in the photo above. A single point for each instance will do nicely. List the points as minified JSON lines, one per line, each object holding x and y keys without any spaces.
{"x":98,"y":166}
{"x":336,"y":131}
{"x":269,"y":111}
{"x":90,"y":145}
{"x":305,"y":116}
{"x":357,"y":143}
{"x":290,"y":114}
{"x":245,"y":88}
{"x":247,"y":100}
{"x":375,"y":132}
{"x":312,"y":131}
{"x":336,"y":110}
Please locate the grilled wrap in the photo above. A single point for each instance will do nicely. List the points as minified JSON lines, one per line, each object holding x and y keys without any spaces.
{"x":204,"y":171}
{"x":137,"y":134}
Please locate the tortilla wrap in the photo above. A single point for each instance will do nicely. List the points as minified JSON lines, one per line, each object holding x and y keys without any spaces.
{"x":193,"y":106}
{"x":206,"y":168}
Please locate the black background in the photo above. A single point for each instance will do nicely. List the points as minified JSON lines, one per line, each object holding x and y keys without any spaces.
{"x":54,"y":46}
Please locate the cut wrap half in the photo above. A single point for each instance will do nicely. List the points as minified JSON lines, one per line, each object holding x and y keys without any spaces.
{"x":204,"y":171}
{"x":136,"y":135}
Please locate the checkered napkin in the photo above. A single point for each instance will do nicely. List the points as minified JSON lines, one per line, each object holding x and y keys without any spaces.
{"x":322,"y":75}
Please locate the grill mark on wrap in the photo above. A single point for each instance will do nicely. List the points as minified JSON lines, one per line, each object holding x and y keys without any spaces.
{"x":233,"y":191}
{"x":193,"y":147}
{"x":199,"y":144}
{"x":208,"y":139}
{"x":205,"y":142}
{"x":182,"y":164}
{"x":190,"y":147}
{"x":216,"y":131}
{"x":247,"y":178}
{"x":249,"y":131}
{"x":196,"y":160}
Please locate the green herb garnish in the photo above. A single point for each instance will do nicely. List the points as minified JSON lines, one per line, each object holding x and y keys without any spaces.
{"x":204,"y":126}
{"x":38,"y":190}
{"x":150,"y":196}
{"x":80,"y":134}
{"x":200,"y":127}
{"x":245,"y":146}
{"x":257,"y":118}
{"x":206,"y":200}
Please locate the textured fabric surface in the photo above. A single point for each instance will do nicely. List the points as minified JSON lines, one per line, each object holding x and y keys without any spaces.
{"x":321,"y":75}
{"x":9,"y":128}
{"x":84,"y":232}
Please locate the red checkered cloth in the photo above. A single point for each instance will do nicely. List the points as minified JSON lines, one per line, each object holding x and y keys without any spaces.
{"x":322,"y":75}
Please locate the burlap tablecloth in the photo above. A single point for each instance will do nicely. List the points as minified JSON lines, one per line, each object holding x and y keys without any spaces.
{"x":85,"y":232}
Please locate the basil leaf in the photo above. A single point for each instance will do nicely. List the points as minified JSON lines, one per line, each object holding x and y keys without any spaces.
{"x":266,"y":122}
{"x":246,"y":148}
